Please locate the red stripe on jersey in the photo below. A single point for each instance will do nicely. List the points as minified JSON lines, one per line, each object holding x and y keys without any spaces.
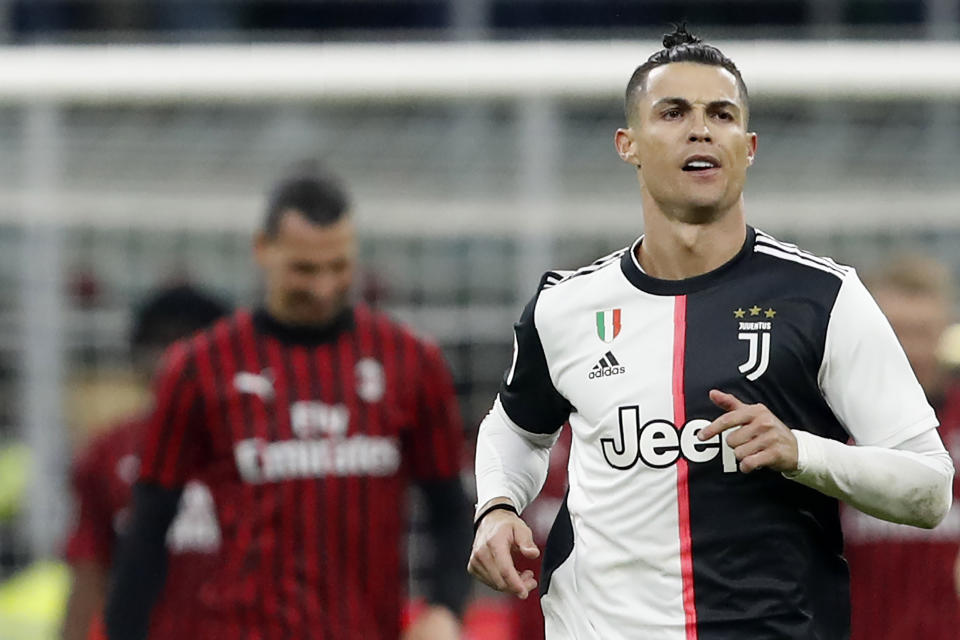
{"x":372,"y":415}
{"x":170,"y":381}
{"x":243,"y":565}
{"x":683,"y":486}
{"x":172,"y":472}
{"x":330,"y":503}
{"x":346,"y":354}
{"x":271,"y":495}
{"x":385,"y":587}
{"x":208,"y":373}
{"x":297,"y":363}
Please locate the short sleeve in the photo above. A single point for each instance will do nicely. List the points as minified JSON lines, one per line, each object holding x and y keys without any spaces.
{"x":865,"y":376}
{"x":92,"y":537}
{"x":527,"y":393}
{"x":175,"y":444}
{"x":436,"y":443}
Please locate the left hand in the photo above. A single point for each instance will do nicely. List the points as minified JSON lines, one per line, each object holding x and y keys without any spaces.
{"x":434,"y":623}
{"x":761,"y":442}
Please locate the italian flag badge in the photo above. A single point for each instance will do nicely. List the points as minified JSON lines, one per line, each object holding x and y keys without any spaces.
{"x":608,"y":324}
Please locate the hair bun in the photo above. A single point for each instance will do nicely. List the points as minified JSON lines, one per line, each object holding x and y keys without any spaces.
{"x":679,"y":37}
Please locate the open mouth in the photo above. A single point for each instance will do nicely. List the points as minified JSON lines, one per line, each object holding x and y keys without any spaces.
{"x":700,"y":163}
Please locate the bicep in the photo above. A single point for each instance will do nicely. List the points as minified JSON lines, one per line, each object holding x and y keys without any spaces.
{"x":865,"y":376}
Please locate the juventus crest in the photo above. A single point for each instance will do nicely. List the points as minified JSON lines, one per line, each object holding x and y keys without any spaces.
{"x":757,"y":336}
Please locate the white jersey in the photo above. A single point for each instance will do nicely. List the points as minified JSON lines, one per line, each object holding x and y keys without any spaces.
{"x":660,"y":536}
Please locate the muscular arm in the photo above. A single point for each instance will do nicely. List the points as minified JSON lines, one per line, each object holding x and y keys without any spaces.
{"x":910,"y":483}
{"x":141,"y":564}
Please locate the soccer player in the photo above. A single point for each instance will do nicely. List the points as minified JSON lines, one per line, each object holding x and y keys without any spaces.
{"x":711,"y":376}
{"x":104,"y":473}
{"x":308,"y":418}
{"x":901,"y":578}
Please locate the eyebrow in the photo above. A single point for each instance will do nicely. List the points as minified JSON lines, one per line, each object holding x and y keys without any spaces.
{"x":683,"y":102}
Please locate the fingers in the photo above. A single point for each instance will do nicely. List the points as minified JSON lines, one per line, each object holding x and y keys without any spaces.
{"x":492,"y":558}
{"x":726,"y":401}
{"x":738,"y":417}
{"x":524,"y":537}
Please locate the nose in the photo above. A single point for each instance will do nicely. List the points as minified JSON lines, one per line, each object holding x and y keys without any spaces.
{"x":699,"y":132}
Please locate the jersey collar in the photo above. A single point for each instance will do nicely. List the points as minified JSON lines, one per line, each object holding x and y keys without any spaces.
{"x":631,"y":269}
{"x":266,"y":323}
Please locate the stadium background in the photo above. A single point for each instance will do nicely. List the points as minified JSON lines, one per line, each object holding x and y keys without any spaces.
{"x":486,"y":160}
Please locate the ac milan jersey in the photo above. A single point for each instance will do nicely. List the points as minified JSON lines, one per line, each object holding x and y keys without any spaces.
{"x":661,"y":536}
{"x":102,"y":479}
{"x":308,"y":439}
{"x":902,"y":582}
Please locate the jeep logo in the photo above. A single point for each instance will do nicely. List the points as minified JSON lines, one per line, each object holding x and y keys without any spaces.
{"x":659,"y":444}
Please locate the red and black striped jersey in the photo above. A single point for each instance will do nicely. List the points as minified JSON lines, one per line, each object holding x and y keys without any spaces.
{"x":102,"y":477}
{"x":307,"y":439}
{"x":902,"y":578}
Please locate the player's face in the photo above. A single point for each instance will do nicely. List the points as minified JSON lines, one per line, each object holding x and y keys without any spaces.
{"x":308,"y":268}
{"x":919,"y":321}
{"x":689,"y":136}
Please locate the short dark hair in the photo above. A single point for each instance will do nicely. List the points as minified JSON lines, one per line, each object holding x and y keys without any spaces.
{"x":310,"y":191}
{"x":679,"y":46}
{"x":173,"y":313}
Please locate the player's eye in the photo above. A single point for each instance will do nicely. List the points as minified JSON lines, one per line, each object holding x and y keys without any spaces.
{"x":672,"y":114}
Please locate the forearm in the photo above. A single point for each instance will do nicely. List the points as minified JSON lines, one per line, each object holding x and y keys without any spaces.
{"x":140,"y":567}
{"x":510,"y":463}
{"x":449,"y":527}
{"x":910,"y":484}
{"x":87,"y":595}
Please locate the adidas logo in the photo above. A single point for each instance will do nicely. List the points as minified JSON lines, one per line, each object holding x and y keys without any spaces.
{"x":607,"y":366}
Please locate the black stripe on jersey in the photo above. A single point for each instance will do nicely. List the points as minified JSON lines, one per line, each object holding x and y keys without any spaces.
{"x":766,"y":551}
{"x":559,"y":546}
{"x":603,"y":363}
{"x":612,"y":359}
{"x":530,"y":399}
{"x":338,"y":394}
{"x":246,"y":362}
{"x":321,"y":513}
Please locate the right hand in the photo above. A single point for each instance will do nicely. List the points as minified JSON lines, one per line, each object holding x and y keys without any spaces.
{"x":491,"y":561}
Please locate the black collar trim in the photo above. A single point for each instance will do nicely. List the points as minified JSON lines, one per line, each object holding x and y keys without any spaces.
{"x":631,"y":269}
{"x":308,"y":335}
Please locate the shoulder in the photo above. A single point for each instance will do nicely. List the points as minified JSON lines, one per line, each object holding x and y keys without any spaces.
{"x":793,"y":260}
{"x":371,"y":321}
{"x":559,"y":290}
{"x":110,"y":445}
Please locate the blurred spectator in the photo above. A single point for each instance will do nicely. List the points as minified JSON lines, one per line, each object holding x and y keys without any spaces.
{"x":902,"y":583}
{"x":102,"y":477}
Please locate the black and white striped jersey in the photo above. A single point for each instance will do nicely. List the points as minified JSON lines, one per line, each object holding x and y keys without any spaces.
{"x":660,"y":536}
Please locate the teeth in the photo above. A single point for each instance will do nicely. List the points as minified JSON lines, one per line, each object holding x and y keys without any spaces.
{"x":700,"y":164}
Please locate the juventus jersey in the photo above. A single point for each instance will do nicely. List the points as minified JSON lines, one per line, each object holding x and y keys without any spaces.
{"x":661,"y":536}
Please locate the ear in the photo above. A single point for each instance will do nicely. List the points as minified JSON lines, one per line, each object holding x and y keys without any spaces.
{"x":626,"y":147}
{"x":261,"y":247}
{"x":751,"y":147}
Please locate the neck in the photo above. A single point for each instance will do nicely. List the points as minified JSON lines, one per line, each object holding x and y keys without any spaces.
{"x":676,"y":250}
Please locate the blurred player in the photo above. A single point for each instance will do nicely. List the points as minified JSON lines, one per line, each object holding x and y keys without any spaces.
{"x":308,"y":417}
{"x":694,"y":510}
{"x":901,"y":578}
{"x":103,"y":476}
